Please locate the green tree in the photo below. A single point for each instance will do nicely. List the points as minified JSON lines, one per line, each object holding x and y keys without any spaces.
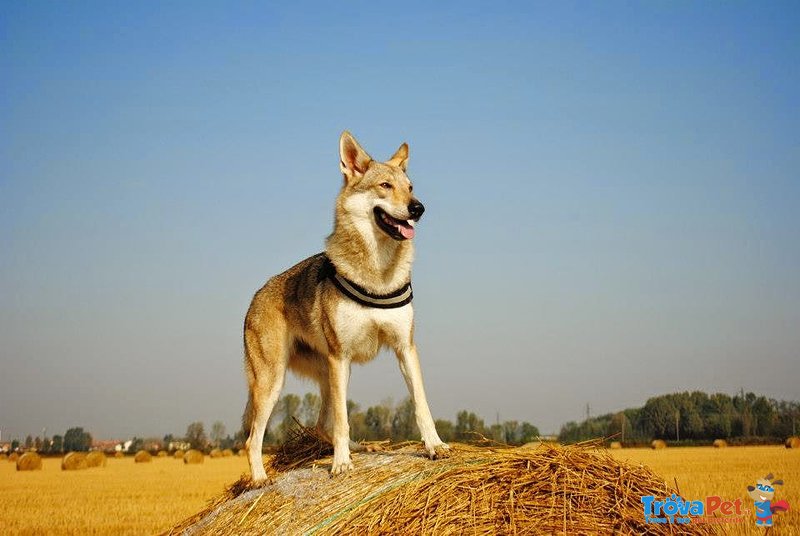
{"x":309,"y":409}
{"x":379,"y":422}
{"x":196,"y":435}
{"x":527,"y":433}
{"x":76,"y":439}
{"x":467,"y":425}
{"x":217,"y":433}
{"x":445,"y":430}
{"x":28,"y":442}
{"x":404,"y":423}
{"x":288,"y":407}
{"x":58,"y":444}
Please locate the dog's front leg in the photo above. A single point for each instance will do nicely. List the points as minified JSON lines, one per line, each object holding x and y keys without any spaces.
{"x":338,"y":377}
{"x":409,"y":366}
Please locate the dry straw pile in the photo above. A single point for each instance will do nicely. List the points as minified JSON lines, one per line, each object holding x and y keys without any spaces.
{"x":615,"y":445}
{"x":96,"y":459}
{"x":30,"y":461}
{"x":193,"y":456}
{"x":74,"y":461}
{"x":793,"y":443}
{"x":477,"y":490}
{"x":178,"y":455}
{"x":720,"y":443}
{"x":658,"y":444}
{"x":143,"y":457}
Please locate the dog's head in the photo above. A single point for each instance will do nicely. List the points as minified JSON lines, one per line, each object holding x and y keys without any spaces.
{"x":380,"y":192}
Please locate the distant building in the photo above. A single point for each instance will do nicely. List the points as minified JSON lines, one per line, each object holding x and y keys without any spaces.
{"x":5,"y":447}
{"x":106,"y":445}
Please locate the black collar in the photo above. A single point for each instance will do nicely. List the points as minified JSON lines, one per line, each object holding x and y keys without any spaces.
{"x":392,"y":300}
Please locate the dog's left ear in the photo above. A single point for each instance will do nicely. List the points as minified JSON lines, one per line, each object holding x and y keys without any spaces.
{"x":400,"y":158}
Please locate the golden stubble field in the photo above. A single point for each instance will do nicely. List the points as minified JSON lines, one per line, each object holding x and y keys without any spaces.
{"x":129,"y":498}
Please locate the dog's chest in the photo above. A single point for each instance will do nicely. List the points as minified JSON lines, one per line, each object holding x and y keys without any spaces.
{"x":362,"y":331}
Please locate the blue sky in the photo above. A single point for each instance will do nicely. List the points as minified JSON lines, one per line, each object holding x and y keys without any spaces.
{"x":611,"y":194}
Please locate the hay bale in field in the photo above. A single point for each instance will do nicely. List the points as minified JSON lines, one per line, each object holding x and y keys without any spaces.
{"x":96,"y":458}
{"x":615,"y":445}
{"x":193,"y":456}
{"x":658,"y":444}
{"x":476,"y":490}
{"x":119,"y":454}
{"x":215,"y":453}
{"x":178,"y":455}
{"x":74,"y":461}
{"x":241,"y":452}
{"x":227,"y":453}
{"x":720,"y":443}
{"x":162,"y":454}
{"x":792,"y":443}
{"x":30,"y":461}
{"x":13,"y":457}
{"x":143,"y":457}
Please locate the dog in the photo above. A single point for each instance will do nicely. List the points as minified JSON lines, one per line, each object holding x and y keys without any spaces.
{"x":341,"y":307}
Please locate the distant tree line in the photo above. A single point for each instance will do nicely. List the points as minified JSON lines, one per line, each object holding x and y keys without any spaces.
{"x":692,"y":416}
{"x":389,"y":421}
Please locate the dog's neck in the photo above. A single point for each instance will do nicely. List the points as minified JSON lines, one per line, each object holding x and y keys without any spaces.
{"x":367,"y":256}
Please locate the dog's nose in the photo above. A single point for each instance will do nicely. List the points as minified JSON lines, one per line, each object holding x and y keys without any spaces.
{"x":415,"y":208}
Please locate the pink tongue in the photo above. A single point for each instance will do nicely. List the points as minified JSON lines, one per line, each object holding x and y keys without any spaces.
{"x":406,"y":230}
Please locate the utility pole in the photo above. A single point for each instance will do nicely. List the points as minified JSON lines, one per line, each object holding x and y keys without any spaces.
{"x":677,"y":423}
{"x":623,"y":428}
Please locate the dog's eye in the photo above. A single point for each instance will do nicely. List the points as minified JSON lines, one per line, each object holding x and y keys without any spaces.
{"x":386,"y":186}
{"x":410,"y":187}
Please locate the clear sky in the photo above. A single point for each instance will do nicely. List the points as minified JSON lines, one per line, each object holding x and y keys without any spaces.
{"x":612,"y":194}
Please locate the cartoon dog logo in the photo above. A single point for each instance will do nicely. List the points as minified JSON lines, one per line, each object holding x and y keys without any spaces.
{"x":762,"y":494}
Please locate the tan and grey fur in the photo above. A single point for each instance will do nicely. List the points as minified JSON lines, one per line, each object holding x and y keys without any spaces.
{"x":300,"y":321}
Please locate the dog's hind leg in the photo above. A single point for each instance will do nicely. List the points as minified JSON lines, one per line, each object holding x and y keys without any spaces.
{"x":266,"y":358}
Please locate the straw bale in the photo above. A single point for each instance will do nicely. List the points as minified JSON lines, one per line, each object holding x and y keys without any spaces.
{"x":241,"y":452}
{"x":215,"y":453}
{"x":143,"y":457}
{"x":476,"y":490}
{"x":178,"y":454}
{"x":615,"y":445}
{"x":30,"y":461}
{"x":96,"y":458}
{"x":720,"y":443}
{"x":193,"y":456}
{"x":74,"y":461}
{"x":227,"y":453}
{"x":658,"y":444}
{"x":162,"y":454}
{"x":792,"y":442}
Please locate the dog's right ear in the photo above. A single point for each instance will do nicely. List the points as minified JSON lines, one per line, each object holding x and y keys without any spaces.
{"x":353,"y":160}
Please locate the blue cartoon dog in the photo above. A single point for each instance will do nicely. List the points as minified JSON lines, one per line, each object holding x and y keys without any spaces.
{"x":762,"y":494}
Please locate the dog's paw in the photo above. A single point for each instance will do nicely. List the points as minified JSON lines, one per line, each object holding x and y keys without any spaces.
{"x":340,"y":468}
{"x":437,"y":452}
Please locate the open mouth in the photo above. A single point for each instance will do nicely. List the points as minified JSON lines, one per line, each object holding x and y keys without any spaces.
{"x":397,"y":229}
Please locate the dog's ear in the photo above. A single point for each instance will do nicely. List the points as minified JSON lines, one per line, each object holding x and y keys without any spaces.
{"x":353,"y":160}
{"x":400,"y":158}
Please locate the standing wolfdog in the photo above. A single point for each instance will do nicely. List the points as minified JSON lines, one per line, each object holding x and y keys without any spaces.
{"x":342,"y":306}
